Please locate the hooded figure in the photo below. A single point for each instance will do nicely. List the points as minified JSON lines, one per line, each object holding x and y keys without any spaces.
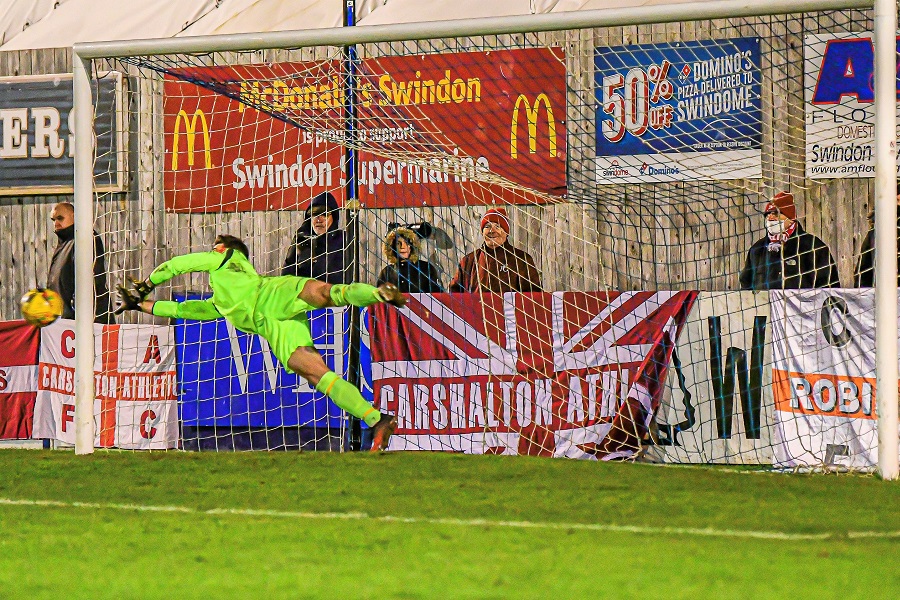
{"x":401,"y":248}
{"x":318,"y":249}
{"x":788,"y":257}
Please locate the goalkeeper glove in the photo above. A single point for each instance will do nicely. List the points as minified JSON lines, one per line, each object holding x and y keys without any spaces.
{"x":141,"y":288}
{"x":128,"y":300}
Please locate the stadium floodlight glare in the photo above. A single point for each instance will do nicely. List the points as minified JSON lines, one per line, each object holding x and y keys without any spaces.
{"x":635,"y":101}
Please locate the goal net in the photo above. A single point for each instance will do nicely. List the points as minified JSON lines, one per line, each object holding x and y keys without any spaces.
{"x":630,"y":242}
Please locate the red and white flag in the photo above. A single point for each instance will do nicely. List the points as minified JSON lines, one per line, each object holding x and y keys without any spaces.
{"x":537,"y":373}
{"x":135,"y":403}
{"x":18,"y":378}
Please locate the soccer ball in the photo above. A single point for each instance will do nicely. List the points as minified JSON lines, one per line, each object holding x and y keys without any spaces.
{"x":41,"y":306}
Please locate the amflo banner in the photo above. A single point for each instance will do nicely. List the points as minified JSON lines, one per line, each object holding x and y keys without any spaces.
{"x":839,"y":75}
{"x":134,"y":380}
{"x":678,"y":111}
{"x":824,"y":378}
{"x":503,"y":111}
{"x":573,"y":374}
{"x":19,"y":343}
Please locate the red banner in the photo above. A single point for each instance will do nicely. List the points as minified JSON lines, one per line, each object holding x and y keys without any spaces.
{"x":19,"y":343}
{"x":565,"y":374}
{"x":502,"y":111}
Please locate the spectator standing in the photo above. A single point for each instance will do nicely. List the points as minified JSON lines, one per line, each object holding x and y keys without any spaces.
{"x":405,"y":268}
{"x":319,"y":249}
{"x":61,"y":275}
{"x":787,"y":257}
{"x":497,"y":266}
{"x":865,"y":268}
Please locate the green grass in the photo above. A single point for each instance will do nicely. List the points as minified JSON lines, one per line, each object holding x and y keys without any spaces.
{"x":74,"y":551}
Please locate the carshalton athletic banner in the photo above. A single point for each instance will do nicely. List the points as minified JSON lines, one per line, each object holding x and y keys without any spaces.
{"x":574,"y":374}
{"x":504,"y":111}
{"x":19,"y":343}
{"x":824,"y":378}
{"x":134,"y":380}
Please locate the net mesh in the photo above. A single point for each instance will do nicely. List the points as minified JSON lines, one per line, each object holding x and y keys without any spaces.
{"x":638,"y":307}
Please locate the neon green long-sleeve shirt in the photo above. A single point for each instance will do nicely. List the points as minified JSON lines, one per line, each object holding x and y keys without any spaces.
{"x":238,"y":290}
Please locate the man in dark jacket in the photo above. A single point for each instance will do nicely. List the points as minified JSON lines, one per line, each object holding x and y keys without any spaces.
{"x":865,"y":268}
{"x":319,"y":249}
{"x":497,"y":266}
{"x":788,"y":257}
{"x":61,"y":276}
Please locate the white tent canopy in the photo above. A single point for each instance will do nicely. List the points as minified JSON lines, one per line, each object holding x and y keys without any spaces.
{"x":414,"y":11}
{"x":18,"y":15}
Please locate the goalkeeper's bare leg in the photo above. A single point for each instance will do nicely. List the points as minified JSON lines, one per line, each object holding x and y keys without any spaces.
{"x":308,"y":363}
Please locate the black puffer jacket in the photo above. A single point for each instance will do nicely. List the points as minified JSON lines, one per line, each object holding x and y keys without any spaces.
{"x":325,"y":257}
{"x":803,"y":261}
{"x":412,"y":275}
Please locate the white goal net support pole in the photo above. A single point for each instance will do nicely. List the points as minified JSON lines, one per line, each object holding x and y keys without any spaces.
{"x":885,"y":122}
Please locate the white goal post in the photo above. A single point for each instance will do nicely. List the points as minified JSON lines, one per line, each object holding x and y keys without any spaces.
{"x":885,"y":151}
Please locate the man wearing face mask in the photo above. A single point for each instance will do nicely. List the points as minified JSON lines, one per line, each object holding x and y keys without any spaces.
{"x":319,"y":250}
{"x":61,"y":275}
{"x":497,"y":266}
{"x":788,"y":257}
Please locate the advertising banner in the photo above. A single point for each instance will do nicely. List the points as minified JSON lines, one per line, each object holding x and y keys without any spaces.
{"x":36,"y":141}
{"x":134,"y":380}
{"x":231,"y":378}
{"x":678,"y":111}
{"x":839,"y":75}
{"x":19,"y":343}
{"x":504,"y":111}
{"x":571,"y":374}
{"x":718,"y":402}
{"x":824,"y":378}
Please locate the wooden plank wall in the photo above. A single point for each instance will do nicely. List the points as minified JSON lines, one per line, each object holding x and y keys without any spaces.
{"x":691,"y":235}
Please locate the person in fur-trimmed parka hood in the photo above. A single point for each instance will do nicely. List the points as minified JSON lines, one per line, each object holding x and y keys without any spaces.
{"x":405,"y":268}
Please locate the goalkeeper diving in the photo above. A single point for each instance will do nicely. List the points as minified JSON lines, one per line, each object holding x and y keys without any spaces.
{"x":273,"y":307}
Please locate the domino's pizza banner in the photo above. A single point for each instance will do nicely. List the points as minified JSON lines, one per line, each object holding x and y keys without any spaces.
{"x":678,"y":111}
{"x":574,"y":374}
{"x":839,"y":78}
{"x":134,"y":380}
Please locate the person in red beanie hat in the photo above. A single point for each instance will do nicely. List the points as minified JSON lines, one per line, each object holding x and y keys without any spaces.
{"x":497,"y":266}
{"x":787,"y":257}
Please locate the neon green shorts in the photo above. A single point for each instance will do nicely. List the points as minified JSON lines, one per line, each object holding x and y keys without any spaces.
{"x":281,"y":316}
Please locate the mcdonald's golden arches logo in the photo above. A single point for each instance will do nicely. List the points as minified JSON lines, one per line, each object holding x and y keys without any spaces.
{"x":190,"y":132}
{"x":531,"y":117}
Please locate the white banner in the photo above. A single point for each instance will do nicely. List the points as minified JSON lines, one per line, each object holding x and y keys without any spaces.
{"x":718,"y":402}
{"x":840,"y":110}
{"x":134,"y":377}
{"x":824,"y":378}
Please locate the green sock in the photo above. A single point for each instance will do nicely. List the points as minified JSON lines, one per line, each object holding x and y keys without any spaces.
{"x":355,"y":294}
{"x":347,"y":397}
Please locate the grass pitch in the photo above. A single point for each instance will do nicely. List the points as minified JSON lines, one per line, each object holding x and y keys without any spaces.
{"x":428,"y":525}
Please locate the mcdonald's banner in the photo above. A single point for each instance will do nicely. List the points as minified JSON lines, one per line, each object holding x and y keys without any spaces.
{"x":573,"y":374}
{"x":134,"y":378}
{"x":502,"y":110}
{"x":19,"y":344}
{"x":37,"y":143}
{"x":678,"y":111}
{"x":824,"y":378}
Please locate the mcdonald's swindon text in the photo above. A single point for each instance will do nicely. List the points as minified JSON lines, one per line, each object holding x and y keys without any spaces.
{"x":502,"y":111}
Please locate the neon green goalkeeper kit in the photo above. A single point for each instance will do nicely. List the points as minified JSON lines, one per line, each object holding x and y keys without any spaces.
{"x":268,"y":306}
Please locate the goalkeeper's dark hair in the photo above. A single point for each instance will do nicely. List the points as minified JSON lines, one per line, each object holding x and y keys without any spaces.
{"x":233,"y":243}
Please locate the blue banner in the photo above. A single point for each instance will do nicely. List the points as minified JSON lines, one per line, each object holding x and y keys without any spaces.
{"x":680,"y":97}
{"x":230,"y":378}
